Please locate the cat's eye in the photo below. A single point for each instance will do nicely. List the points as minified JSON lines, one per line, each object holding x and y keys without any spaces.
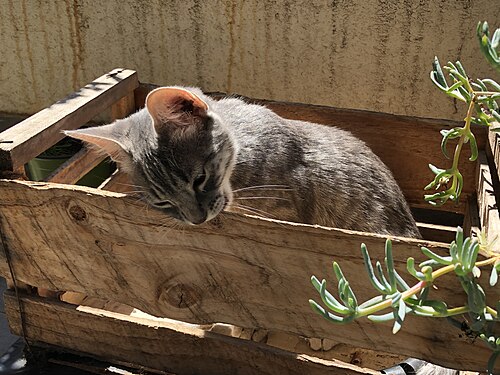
{"x":199,"y":181}
{"x":164,"y":204}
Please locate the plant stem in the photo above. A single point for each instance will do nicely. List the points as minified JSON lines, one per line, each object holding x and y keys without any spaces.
{"x":421,"y":285}
{"x":466,"y":131}
{"x":388,"y":303}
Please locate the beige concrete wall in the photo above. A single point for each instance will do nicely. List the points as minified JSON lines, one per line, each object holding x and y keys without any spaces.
{"x":363,"y":54}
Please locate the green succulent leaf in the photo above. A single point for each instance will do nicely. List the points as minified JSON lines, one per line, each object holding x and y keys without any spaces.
{"x":410,"y":265}
{"x":371,"y":274}
{"x":325,"y":314}
{"x":473,"y":146}
{"x":437,"y":258}
{"x":437,"y":75}
{"x":331,"y":302}
{"x":381,"y":318}
{"x":493,"y":276}
{"x":447,"y":135}
{"x":399,"y":316}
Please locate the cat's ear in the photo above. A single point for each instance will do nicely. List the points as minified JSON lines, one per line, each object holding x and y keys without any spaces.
{"x":172,"y":108}
{"x":104,"y":137}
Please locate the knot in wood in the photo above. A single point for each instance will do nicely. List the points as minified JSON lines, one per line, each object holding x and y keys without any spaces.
{"x":77,"y":213}
{"x":180,"y":295}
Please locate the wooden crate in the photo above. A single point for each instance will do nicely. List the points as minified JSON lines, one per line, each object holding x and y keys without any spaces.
{"x":248,"y":271}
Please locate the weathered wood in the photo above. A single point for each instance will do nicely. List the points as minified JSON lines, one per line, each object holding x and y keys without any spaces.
{"x":488,"y":210}
{"x":493,"y":151}
{"x":405,"y":144}
{"x":234,"y":269}
{"x":34,"y":135}
{"x":472,"y":222}
{"x":328,"y":349}
{"x":119,"y":182}
{"x":73,"y":169}
{"x":123,"y":107}
{"x":167,"y":346}
{"x":436,"y":232}
{"x":87,"y":159}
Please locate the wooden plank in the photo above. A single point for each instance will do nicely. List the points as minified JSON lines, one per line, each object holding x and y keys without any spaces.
{"x":158,"y":344}
{"x":493,"y":151}
{"x":405,"y":144}
{"x":436,"y":232}
{"x":29,"y":138}
{"x":235,"y":269}
{"x":118,"y":182}
{"x":73,"y":169}
{"x":327,"y":349}
{"x":87,"y":159}
{"x":472,"y":222}
{"x":486,"y":201}
{"x":123,"y":107}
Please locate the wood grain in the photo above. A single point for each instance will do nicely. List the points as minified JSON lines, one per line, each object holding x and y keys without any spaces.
{"x":34,"y":135}
{"x":488,"y":209}
{"x":87,"y":159}
{"x":405,"y":144}
{"x":158,"y":344}
{"x":234,"y":269}
{"x":73,"y":169}
{"x":118,"y":182}
{"x":436,"y":232}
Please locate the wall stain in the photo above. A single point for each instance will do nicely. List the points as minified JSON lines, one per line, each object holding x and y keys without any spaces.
{"x":62,"y":47}
{"x":268,"y":45}
{"x":75,"y":40}
{"x":196,"y":18}
{"x":232,"y":43}
{"x":287,"y":44}
{"x":29,"y":52}
{"x":49,"y":62}
{"x":333,"y":45}
{"x":142,"y":10}
{"x":163,"y":42}
{"x":385,"y":16}
{"x":418,"y":44}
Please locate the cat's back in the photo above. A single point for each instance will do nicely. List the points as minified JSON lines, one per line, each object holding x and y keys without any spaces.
{"x":336,"y":180}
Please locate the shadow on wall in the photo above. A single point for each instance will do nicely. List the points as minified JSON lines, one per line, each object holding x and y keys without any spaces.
{"x":7,"y":120}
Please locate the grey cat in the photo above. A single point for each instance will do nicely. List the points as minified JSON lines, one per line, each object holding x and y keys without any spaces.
{"x":194,"y":156}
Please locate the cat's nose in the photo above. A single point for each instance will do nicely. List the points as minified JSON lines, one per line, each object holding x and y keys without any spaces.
{"x":201,"y":218}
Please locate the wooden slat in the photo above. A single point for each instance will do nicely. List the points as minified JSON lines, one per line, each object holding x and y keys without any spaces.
{"x":167,"y":346}
{"x":118,"y":182}
{"x":488,"y":209}
{"x":87,"y":159}
{"x":405,"y":144}
{"x":494,"y":148}
{"x":472,"y":222}
{"x":234,"y":269}
{"x":73,"y":169}
{"x":438,"y":233}
{"x":29,"y":138}
{"x":327,"y":349}
{"x":123,"y":107}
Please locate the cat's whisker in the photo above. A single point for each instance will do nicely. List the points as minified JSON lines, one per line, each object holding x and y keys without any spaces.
{"x":132,"y":192}
{"x":130,"y":185}
{"x":246,"y":198}
{"x":264,"y":187}
{"x":253,"y":210}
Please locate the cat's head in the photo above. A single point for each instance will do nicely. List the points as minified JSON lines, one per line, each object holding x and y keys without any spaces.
{"x":177,"y":150}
